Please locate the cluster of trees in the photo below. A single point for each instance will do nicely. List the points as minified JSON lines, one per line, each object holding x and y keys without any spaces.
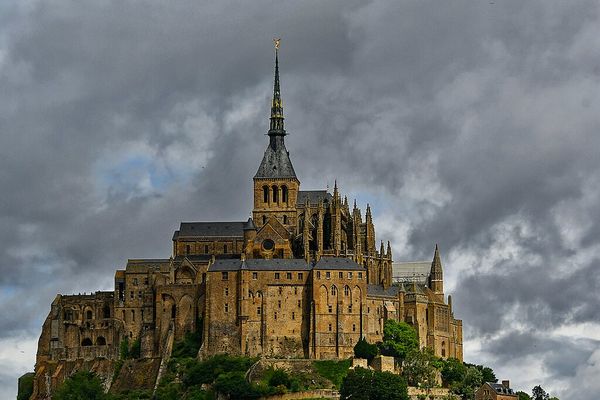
{"x":537,"y":393}
{"x":421,"y":368}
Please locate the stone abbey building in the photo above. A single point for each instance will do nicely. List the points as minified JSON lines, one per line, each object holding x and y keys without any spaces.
{"x":302,"y":278}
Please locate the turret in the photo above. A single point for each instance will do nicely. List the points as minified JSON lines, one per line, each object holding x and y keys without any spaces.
{"x":436,"y":275}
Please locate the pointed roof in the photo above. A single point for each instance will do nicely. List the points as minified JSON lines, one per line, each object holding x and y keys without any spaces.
{"x":276,"y":161}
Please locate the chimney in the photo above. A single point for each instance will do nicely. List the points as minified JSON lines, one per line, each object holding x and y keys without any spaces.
{"x":506,"y":384}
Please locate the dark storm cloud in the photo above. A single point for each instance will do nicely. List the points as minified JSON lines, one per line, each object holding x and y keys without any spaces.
{"x":473,"y":124}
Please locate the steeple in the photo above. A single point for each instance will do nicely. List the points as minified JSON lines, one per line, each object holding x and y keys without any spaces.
{"x":276,"y":127}
{"x":436,"y":275}
{"x":276,"y":162}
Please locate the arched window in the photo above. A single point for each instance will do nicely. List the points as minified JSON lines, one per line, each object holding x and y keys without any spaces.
{"x":100,"y":341}
{"x":333,"y":290}
{"x":173,"y":311}
{"x":284,"y":194}
{"x":86,"y":342}
{"x":346,"y":291}
{"x":89,"y":314}
{"x":443,"y":349}
{"x":106,"y":311}
{"x":275,"y":194}
{"x":265,"y":194}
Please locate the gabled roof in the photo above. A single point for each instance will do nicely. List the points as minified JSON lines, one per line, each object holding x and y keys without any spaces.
{"x":210,"y":229}
{"x":499,"y":388}
{"x":410,"y":271}
{"x":338,"y":263}
{"x":313,"y":196}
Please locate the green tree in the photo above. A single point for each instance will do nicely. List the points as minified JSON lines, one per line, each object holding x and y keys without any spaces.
{"x":523,"y":396}
{"x":83,"y":385}
{"x":364,"y":349}
{"x":399,"y":338}
{"x":453,"y":371}
{"x":388,"y":386}
{"x":537,"y":393}
{"x":472,"y":380}
{"x":357,"y":385}
{"x":418,"y":368}
{"x":235,"y":386}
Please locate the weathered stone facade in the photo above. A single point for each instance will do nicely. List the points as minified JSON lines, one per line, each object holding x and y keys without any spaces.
{"x":302,"y":278}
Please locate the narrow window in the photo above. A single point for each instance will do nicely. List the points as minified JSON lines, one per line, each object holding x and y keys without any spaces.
{"x":88,"y":314}
{"x":226,"y":291}
{"x":275,"y":194}
{"x":139,"y":294}
{"x":349,"y":275}
{"x":225,"y":248}
{"x":279,"y":303}
{"x":293,"y":315}
{"x":299,"y":303}
{"x":333,"y":290}
{"x":295,"y":290}
{"x":257,"y":310}
{"x":341,"y":275}
{"x":135,"y":281}
{"x":353,"y":327}
{"x":350,"y":309}
{"x":224,"y":276}
{"x":187,"y":249}
{"x":300,"y":275}
{"x":205,"y":249}
{"x":284,"y":194}
{"x":226,"y":307}
{"x":330,"y":328}
{"x":173,"y":311}
{"x":131,"y":295}
{"x":275,"y":316}
{"x":330,"y":307}
{"x":145,"y":281}
{"x":288,"y":275}
{"x":276,"y":275}
{"x":265,"y":194}
{"x":255,"y":275}
{"x":346,"y":291}
{"x":318,"y":274}
{"x":285,"y":220}
{"x":280,"y":291}
{"x":264,"y":219}
{"x":133,"y":315}
{"x":360,"y":275}
{"x":327,"y":274}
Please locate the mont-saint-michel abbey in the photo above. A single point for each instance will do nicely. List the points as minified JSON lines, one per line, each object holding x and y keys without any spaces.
{"x":305,"y":277}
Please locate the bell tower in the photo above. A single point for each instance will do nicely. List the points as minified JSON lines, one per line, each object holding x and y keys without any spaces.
{"x":275,"y":183}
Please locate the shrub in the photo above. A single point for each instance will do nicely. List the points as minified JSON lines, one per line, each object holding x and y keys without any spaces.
{"x":333,"y":370}
{"x":81,"y":385}
{"x":364,"y":349}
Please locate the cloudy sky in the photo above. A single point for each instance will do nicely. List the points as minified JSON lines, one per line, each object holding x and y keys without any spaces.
{"x":472,"y":124}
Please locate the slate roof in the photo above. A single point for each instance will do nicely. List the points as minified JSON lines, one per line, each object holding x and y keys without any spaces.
{"x":378,"y":290}
{"x":411,"y":271}
{"x":276,"y":162}
{"x":276,"y":264}
{"x":313,"y":196}
{"x":338,"y":263}
{"x":210,"y":229}
{"x":499,"y":388}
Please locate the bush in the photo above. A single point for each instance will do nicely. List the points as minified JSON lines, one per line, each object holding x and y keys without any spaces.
{"x":364,"y":384}
{"x":207,"y":371}
{"x":25,"y":386}
{"x":333,"y":370}
{"x":188,"y":347}
{"x":81,"y":385}
{"x":364,"y":349}
{"x":235,"y":386}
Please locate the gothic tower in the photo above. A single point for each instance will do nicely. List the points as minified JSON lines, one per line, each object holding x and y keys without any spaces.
{"x":436,"y":276}
{"x":275,"y":183}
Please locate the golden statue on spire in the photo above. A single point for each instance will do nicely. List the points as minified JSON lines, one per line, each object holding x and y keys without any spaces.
{"x":276,"y":41}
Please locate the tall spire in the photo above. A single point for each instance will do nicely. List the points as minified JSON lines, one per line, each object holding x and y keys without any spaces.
{"x":276,"y":127}
{"x":436,"y":274}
